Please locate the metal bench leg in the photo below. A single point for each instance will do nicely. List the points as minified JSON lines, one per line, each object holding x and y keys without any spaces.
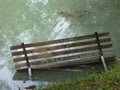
{"x":100,"y":52}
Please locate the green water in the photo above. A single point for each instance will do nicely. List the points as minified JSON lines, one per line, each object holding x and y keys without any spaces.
{"x":40,"y":20}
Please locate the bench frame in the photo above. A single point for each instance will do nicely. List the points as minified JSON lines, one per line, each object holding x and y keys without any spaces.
{"x":47,"y":49}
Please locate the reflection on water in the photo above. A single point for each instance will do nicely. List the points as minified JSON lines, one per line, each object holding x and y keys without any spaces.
{"x":40,"y":20}
{"x":6,"y":79}
{"x":38,"y":1}
{"x":6,"y":82}
{"x":26,"y":35}
{"x":62,"y":25}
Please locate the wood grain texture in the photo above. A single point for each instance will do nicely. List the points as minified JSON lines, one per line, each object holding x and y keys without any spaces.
{"x":69,"y":45}
{"x":60,"y":40}
{"x":108,"y":53}
{"x":89,"y":48}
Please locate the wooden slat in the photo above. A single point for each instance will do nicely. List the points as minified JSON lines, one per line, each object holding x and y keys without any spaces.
{"x":69,"y":63}
{"x":57,"y":59}
{"x":93,"y":54}
{"x":61,"y":46}
{"x":59,"y":40}
{"x":87,"y":55}
{"x":90,"y":48}
{"x":74,"y":62}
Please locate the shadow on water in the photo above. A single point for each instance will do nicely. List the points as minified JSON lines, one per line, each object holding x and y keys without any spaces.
{"x":46,"y":77}
{"x":13,"y":80}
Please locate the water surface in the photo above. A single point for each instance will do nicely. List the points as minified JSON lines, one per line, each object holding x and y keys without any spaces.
{"x":40,"y":20}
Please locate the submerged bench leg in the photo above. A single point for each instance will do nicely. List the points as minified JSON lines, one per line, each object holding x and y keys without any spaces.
{"x":104,"y":64}
{"x":31,"y":86}
{"x":27,"y":61}
{"x":30,"y":73}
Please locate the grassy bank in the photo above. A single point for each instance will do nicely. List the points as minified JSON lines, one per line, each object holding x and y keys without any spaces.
{"x":105,"y":81}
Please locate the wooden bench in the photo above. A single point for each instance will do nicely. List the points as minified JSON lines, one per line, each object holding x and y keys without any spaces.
{"x":77,"y":50}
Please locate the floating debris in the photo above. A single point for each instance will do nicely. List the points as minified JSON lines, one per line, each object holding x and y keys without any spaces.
{"x":74,"y":14}
{"x":65,"y":14}
{"x":83,"y":13}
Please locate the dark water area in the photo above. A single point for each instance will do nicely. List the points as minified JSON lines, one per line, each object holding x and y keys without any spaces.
{"x":40,"y":20}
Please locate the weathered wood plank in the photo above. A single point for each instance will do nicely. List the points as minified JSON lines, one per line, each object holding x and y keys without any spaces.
{"x":66,"y":58}
{"x":89,"y":48}
{"x":74,"y":62}
{"x":59,"y":41}
{"x":69,"y":63}
{"x":61,"y":46}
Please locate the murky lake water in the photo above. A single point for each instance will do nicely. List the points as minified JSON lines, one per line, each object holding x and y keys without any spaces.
{"x":40,"y":20}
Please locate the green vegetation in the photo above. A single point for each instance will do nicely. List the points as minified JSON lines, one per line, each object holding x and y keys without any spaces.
{"x":105,"y":81}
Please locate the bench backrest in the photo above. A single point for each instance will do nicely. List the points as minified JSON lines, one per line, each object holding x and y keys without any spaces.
{"x":62,"y":52}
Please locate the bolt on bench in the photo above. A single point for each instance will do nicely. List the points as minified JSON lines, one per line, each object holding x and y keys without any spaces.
{"x":72,"y":51}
